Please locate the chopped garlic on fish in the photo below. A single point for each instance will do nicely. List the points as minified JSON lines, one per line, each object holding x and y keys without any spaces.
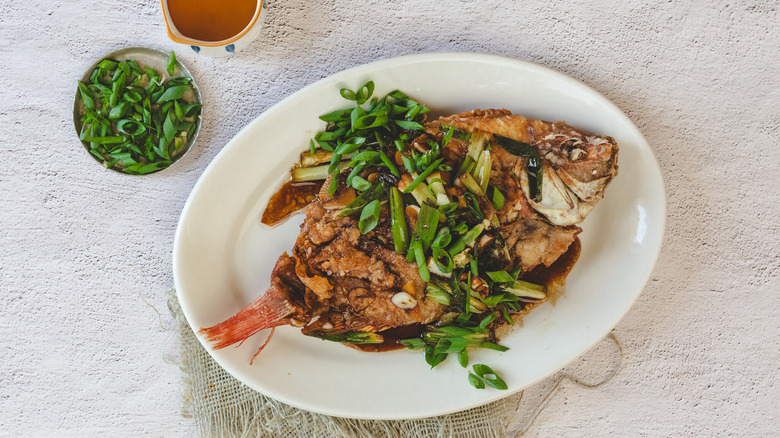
{"x":403,"y":300}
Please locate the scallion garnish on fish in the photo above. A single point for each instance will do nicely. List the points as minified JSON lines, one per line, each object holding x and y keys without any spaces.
{"x":441,"y":186}
{"x":534,"y":167}
{"x":351,"y":337}
{"x":398,"y":221}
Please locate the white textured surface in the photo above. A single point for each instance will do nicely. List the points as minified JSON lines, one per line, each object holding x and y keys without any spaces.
{"x":81,"y":354}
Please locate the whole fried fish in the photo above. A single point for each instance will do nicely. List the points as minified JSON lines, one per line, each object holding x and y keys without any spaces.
{"x":338,"y":280}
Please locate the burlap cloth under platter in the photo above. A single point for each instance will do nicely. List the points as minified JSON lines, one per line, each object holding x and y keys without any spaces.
{"x":224,"y":407}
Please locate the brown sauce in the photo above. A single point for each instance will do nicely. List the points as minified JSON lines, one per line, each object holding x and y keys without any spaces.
{"x":287,"y":200}
{"x":392,"y":336}
{"x":211,"y":20}
{"x":554,"y":276}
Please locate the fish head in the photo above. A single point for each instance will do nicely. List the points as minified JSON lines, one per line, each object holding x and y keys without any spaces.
{"x":585,"y":163}
{"x":576,"y":169}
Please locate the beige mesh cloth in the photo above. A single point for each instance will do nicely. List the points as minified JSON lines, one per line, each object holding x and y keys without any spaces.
{"x":224,"y":407}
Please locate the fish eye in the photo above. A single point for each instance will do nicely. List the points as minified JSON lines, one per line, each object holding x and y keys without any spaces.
{"x":577,"y":153}
{"x":575,"y":150}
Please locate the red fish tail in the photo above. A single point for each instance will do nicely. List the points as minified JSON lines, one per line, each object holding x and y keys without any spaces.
{"x":269,"y":310}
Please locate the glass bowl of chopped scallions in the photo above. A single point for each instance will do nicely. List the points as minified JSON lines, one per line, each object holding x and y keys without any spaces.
{"x":137,"y":110}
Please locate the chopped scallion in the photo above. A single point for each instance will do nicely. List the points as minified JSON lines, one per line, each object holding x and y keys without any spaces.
{"x":398,"y":221}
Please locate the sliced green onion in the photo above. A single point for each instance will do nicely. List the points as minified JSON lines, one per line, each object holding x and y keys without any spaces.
{"x":364,"y":93}
{"x":448,"y":135}
{"x":463,"y":358}
{"x":171,"y":63}
{"x":450,"y":345}
{"x":86,"y":96}
{"x":356,"y":169}
{"x":488,"y":376}
{"x":443,"y":238}
{"x":515,"y":147}
{"x":425,"y":228}
{"x":173,"y":93}
{"x":422,"y":176}
{"x":436,"y":185}
{"x":467,"y":166}
{"x":319,"y":156}
{"x":476,"y":305}
{"x":130,"y":127}
{"x":389,"y":164}
{"x":443,"y":260}
{"x":456,"y":133}
{"x":409,"y":125}
{"x":473,"y":265}
{"x":526,"y":290}
{"x":347,"y":94}
{"x":302,"y":174}
{"x":359,"y":183}
{"x":466,"y":240}
{"x":482,"y":170}
{"x":433,"y":358}
{"x":470,"y":183}
{"x":375,"y":192}
{"x":496,"y":197}
{"x":408,"y":164}
{"x":419,"y":256}
{"x":413,"y":343}
{"x":336,"y":115}
{"x":454,"y":330}
{"x":493,"y":346}
{"x":500,"y":276}
{"x":473,"y":206}
{"x":487,"y":320}
{"x":351,"y":337}
{"x":398,"y":221}
{"x":534,"y":167}
{"x":421,"y":193}
{"x":477,"y":144}
{"x":506,"y":315}
{"x":369,"y":217}
{"x":495,"y":299}
{"x":438,"y":294}
{"x":535,"y":177}
{"x":114,"y":139}
{"x":473,"y":336}
{"x":369,"y":121}
{"x":422,"y":237}
{"x":476,"y":381}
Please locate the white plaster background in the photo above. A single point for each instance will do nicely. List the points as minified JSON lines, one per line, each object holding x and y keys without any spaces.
{"x":82,"y":355}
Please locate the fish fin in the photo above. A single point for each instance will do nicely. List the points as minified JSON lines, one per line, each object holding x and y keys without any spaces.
{"x":262,"y":347}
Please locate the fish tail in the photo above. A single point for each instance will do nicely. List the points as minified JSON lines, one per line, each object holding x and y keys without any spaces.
{"x":269,"y":310}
